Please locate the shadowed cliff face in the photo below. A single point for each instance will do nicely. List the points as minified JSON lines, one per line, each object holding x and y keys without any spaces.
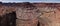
{"x":46,"y":14}
{"x":8,"y":19}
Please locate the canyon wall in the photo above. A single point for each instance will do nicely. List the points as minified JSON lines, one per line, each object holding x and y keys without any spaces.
{"x":33,"y":14}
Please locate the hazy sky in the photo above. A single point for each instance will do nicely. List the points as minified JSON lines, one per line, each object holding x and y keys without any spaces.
{"x":30,"y":1}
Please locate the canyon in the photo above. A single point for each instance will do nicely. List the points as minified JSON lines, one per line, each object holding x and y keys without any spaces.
{"x":29,"y":14}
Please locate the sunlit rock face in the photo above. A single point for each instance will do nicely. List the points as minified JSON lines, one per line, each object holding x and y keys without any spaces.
{"x":47,"y":16}
{"x":42,"y":14}
{"x":34,"y":14}
{"x":6,"y":9}
{"x":27,"y":16}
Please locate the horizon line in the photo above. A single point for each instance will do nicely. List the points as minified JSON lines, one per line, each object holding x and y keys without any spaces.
{"x":30,"y":1}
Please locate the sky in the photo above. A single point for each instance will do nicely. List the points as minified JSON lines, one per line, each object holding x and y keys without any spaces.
{"x":53,"y":1}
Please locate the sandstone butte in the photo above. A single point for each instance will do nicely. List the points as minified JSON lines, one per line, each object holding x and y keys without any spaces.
{"x":50,"y":13}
